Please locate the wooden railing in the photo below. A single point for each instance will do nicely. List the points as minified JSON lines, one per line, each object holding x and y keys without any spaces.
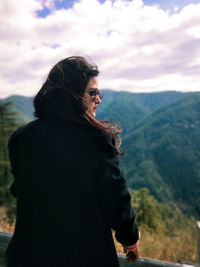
{"x":142,"y":262}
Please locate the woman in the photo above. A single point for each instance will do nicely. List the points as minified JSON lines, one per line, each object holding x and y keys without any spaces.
{"x":69,"y":188}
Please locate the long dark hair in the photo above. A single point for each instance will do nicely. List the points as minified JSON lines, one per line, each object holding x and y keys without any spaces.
{"x":61,"y":96}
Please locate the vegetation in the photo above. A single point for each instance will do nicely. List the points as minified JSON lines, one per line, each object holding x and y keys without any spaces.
{"x":7,"y":125}
{"x":163,"y":154}
{"x":128,"y":110}
{"x":22,"y":105}
{"x":166,"y":234}
{"x":162,"y":167}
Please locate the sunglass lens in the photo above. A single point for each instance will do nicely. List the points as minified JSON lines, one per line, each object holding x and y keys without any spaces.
{"x":96,"y":93}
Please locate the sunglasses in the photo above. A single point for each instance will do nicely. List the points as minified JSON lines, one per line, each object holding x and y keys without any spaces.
{"x":94,"y":92}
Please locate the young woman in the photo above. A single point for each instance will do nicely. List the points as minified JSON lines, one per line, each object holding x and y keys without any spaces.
{"x":70,"y":190}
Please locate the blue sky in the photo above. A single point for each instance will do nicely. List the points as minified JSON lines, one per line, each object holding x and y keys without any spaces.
{"x":165,"y":5}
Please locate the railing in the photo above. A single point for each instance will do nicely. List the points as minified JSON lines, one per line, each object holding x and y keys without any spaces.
{"x":142,"y":262}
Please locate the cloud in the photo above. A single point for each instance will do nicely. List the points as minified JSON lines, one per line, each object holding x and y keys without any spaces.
{"x":137,"y":47}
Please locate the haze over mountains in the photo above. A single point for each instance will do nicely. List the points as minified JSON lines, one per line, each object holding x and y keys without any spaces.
{"x":161,"y":138}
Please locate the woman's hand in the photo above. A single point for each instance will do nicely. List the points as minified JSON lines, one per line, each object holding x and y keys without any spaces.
{"x":131,"y":255}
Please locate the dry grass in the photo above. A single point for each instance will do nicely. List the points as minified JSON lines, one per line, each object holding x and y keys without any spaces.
{"x":4,"y":226}
{"x":180,"y":248}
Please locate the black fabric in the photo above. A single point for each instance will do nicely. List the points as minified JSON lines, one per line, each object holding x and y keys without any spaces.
{"x":70,"y":194}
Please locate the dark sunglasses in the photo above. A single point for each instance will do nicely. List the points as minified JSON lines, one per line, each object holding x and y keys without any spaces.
{"x":94,"y":92}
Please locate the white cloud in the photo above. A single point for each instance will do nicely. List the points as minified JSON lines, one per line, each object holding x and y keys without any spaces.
{"x":137,"y":47}
{"x":176,"y":8}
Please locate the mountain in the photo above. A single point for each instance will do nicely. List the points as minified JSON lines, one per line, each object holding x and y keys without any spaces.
{"x":163,"y":154}
{"x":161,"y":138}
{"x":115,"y":106}
{"x":22,"y":105}
{"x":129,"y":109}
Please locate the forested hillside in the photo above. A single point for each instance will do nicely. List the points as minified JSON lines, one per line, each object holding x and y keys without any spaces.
{"x":163,"y":154}
{"x":129,"y":109}
{"x":8,"y":122}
{"x":161,"y":138}
{"x":22,"y":106}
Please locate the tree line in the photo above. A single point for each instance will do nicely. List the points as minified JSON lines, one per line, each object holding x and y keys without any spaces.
{"x":8,"y":123}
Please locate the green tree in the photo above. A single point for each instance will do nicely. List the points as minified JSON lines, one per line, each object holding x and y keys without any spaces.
{"x":8,"y":122}
{"x":146,"y":210}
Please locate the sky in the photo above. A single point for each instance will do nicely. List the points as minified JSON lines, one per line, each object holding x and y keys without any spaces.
{"x":139,"y":46}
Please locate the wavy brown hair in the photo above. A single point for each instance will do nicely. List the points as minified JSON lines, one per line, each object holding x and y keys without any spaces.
{"x":61,"y":96}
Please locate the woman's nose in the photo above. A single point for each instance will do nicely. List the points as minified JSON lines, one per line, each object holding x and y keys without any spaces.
{"x":98,"y":100}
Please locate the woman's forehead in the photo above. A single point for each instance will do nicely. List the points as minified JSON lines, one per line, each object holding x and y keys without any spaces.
{"x":93,"y":83}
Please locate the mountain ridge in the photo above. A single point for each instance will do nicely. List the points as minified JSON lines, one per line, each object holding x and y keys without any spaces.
{"x":161,"y":138}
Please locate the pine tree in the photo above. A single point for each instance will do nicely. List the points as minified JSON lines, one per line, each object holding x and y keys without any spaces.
{"x":7,"y":125}
{"x":8,"y":122}
{"x":146,"y":210}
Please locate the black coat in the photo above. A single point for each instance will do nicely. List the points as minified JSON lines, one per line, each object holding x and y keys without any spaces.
{"x":70,"y":194}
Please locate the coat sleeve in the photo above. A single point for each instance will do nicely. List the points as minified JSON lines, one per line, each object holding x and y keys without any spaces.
{"x":114,"y":196}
